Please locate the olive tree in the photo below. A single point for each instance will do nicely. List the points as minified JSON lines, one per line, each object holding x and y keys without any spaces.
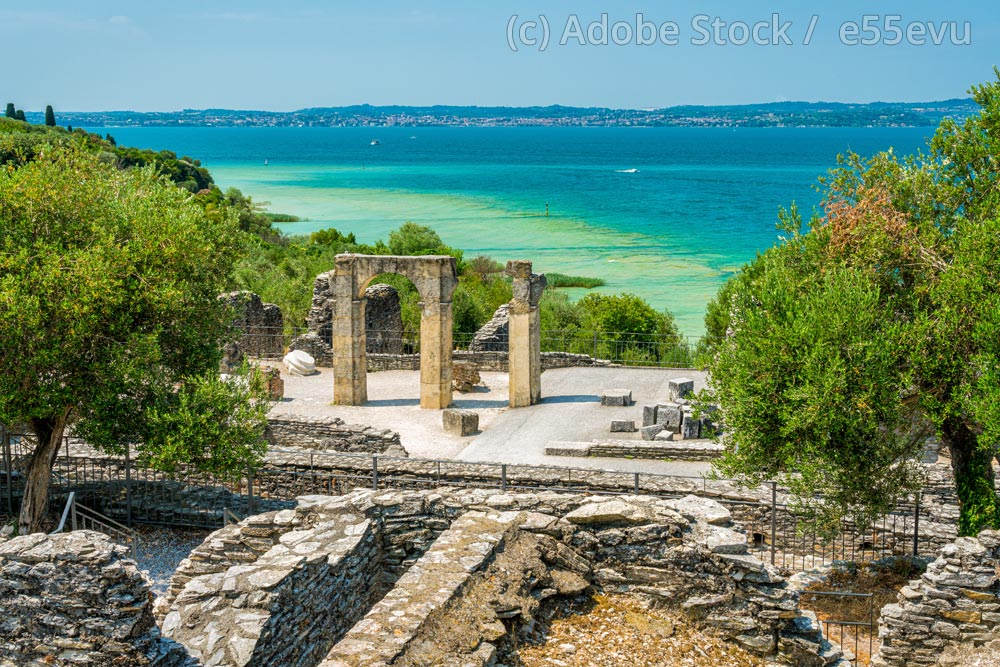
{"x":110,"y":322}
{"x":836,"y":352}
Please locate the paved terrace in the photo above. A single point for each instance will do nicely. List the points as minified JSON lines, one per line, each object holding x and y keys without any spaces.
{"x":570,"y":411}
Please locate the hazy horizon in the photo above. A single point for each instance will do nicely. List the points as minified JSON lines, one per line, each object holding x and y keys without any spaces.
{"x":501,"y":106}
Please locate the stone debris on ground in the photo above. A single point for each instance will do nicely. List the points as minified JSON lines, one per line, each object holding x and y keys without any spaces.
{"x":161,"y":550}
{"x":616,"y":398}
{"x":617,"y":630}
{"x":465,"y":376}
{"x":300,"y":363}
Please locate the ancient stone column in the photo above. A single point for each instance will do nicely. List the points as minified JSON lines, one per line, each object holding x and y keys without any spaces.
{"x":525,"y":335}
{"x":435,"y":354}
{"x":350,"y":367}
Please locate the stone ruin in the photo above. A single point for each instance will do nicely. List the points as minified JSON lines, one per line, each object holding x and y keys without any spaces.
{"x":953,"y":605}
{"x":451,"y":577}
{"x":465,"y":376}
{"x":492,"y":336}
{"x":383,"y":321}
{"x":76,"y":599}
{"x":261,"y":326}
{"x":446,"y":577}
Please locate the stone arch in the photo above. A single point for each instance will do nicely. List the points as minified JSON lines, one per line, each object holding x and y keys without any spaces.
{"x":435,"y":277}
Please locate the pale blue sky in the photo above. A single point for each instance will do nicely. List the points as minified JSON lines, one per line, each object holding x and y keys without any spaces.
{"x":154,"y":55}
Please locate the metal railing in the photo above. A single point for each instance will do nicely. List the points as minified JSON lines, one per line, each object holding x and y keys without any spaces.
{"x":619,"y":348}
{"x":83,"y":518}
{"x":856,"y":634}
{"x":127,"y":491}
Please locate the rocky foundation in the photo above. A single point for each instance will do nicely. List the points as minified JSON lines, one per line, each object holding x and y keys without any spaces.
{"x":75,"y":599}
{"x":465,"y":572}
{"x":330,"y":434}
{"x":955,"y":602}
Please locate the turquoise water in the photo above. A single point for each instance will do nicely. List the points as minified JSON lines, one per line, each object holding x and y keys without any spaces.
{"x":666,"y":213}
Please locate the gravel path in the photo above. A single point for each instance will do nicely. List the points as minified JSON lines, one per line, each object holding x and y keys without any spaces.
{"x":570,"y":411}
{"x":394,"y":403}
{"x":162,"y":549}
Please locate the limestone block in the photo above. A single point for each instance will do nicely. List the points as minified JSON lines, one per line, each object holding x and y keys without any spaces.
{"x":669,"y":416}
{"x":680,"y":388}
{"x":690,"y":428}
{"x":275,"y":385}
{"x":460,"y":422}
{"x":650,"y":432}
{"x":608,"y":512}
{"x":299,"y":363}
{"x":648,"y":415}
{"x":622,"y":426}
{"x":465,"y":376}
{"x":616,"y":397}
{"x":701,"y":509}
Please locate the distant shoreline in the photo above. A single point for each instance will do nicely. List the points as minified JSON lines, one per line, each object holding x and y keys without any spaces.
{"x":775,"y":114}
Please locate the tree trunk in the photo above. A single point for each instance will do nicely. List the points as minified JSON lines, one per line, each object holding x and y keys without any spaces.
{"x":48,"y":432}
{"x":974,"y":479}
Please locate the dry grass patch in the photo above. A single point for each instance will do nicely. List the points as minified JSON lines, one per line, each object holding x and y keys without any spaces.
{"x":621,"y":630}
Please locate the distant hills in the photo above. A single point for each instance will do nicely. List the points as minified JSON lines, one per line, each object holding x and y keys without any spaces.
{"x":775,"y":114}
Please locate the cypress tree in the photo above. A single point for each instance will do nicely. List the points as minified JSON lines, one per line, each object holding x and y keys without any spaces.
{"x":11,"y":112}
{"x":69,"y":128}
{"x":50,"y":116}
{"x":20,"y":114}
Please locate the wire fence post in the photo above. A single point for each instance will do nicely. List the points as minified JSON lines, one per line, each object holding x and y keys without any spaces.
{"x":916,"y":526}
{"x":595,"y":344}
{"x":774,"y":520}
{"x":128,"y":485}
{"x":250,"y":508}
{"x":503,"y":477}
{"x":374,"y":473}
{"x":5,"y":438}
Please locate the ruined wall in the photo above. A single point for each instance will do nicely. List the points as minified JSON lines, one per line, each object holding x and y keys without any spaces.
{"x":484,"y":361}
{"x":261,"y":324}
{"x":75,"y":599}
{"x":330,"y":434}
{"x":383,"y":320}
{"x":288,"y":606}
{"x":479,"y":563}
{"x":956,"y":601}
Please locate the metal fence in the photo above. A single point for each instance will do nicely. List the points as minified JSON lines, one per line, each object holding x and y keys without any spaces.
{"x":620,"y":348}
{"x":854,"y":624}
{"x":128,"y":491}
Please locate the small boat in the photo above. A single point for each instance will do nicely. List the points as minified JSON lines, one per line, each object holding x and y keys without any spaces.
{"x":375,"y":142}
{"x":265,"y":163}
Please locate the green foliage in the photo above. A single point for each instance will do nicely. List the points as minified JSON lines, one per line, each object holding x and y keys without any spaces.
{"x":187,"y":173}
{"x":622,"y":327}
{"x":414,"y":239}
{"x":11,"y":111}
{"x":50,"y":116}
{"x":557,"y":280}
{"x":895,"y":291}
{"x":19,"y":115}
{"x":186,"y":426}
{"x":331,"y":237}
{"x":108,"y":286}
